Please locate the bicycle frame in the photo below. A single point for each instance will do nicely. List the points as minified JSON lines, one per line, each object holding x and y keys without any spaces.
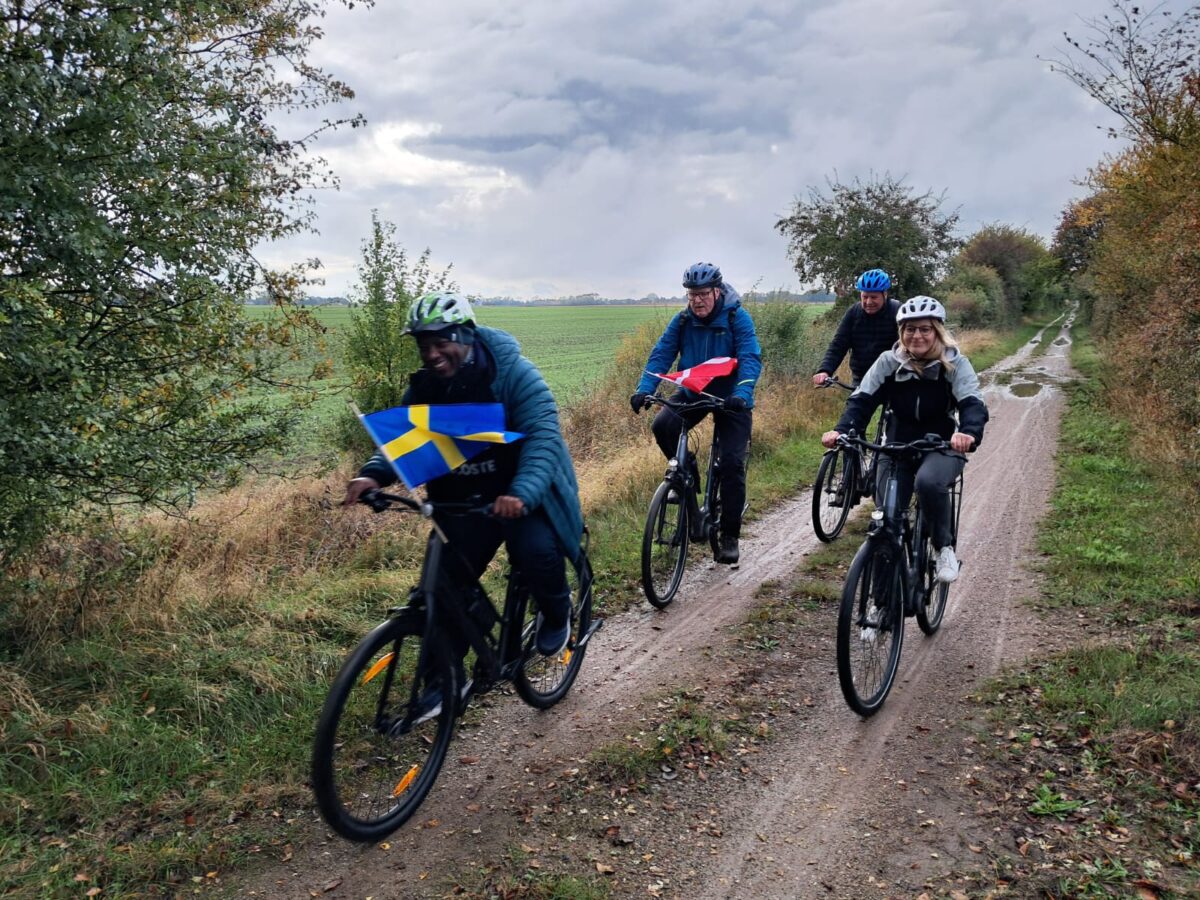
{"x":683,"y":477}
{"x":497,"y":659}
{"x":890,"y":524}
{"x":866,"y":470}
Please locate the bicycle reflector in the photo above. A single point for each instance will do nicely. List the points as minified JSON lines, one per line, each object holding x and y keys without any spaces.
{"x":404,"y":782}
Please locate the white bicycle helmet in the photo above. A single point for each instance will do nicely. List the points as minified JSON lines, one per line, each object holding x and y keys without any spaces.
{"x":437,"y":311}
{"x":920,"y":307}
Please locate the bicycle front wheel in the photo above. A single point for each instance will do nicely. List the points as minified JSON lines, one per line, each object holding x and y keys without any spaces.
{"x":542,"y":681}
{"x":870,"y":631}
{"x":383,"y":733}
{"x":664,"y":545}
{"x":833,"y":494}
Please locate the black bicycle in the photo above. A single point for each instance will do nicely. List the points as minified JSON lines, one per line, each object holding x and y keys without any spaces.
{"x":387,"y":721}
{"x":846,"y":475}
{"x":684,"y":508}
{"x":893,"y":574}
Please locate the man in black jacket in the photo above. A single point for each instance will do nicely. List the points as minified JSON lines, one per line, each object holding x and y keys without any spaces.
{"x":867,"y":330}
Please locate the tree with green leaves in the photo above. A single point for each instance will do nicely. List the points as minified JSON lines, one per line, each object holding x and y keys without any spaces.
{"x":879,"y":223}
{"x":1025,"y":267}
{"x":140,"y":167}
{"x":379,"y":356}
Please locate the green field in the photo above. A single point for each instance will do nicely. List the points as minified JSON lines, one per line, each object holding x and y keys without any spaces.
{"x":571,"y":345}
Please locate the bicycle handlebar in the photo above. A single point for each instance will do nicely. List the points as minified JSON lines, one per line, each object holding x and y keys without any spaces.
{"x":705,"y":403}
{"x":929,"y":443}
{"x":379,"y":500}
{"x":832,"y":381}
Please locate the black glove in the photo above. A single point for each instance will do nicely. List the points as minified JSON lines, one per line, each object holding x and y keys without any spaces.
{"x":638,"y":400}
{"x":735,"y":404}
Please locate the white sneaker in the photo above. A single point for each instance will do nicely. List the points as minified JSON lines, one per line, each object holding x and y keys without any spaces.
{"x":947,"y":566}
{"x":870,"y":629}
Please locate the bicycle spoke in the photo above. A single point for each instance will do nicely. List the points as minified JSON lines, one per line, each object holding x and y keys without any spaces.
{"x":375,"y":757}
{"x":870,"y":629}
{"x":664,"y":545}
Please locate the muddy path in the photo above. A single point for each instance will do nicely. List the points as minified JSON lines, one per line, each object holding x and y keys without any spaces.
{"x":840,"y":806}
{"x":876,"y":807}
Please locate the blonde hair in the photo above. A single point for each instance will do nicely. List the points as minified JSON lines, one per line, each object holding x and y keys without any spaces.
{"x":942,"y":342}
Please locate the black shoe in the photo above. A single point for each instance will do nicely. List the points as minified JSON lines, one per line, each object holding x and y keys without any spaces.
{"x":727,"y":550}
{"x":429,"y":704}
{"x":552,"y":634}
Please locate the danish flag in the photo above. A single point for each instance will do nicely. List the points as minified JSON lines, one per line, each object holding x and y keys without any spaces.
{"x":697,"y":377}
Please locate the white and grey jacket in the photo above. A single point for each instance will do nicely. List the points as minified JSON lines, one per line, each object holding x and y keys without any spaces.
{"x":921,"y":404}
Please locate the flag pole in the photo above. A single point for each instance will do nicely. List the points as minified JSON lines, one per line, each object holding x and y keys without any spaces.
{"x":399,"y":475}
{"x":678,"y":385}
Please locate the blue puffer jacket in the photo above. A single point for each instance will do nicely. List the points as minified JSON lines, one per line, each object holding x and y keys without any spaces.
{"x":728,"y":332}
{"x":545,"y":476}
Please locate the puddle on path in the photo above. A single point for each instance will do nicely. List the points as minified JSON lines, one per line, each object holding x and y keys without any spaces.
{"x":1061,"y":341}
{"x":1025,"y":388}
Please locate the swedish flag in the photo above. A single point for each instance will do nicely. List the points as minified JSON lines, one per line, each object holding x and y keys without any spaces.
{"x":425,"y":442}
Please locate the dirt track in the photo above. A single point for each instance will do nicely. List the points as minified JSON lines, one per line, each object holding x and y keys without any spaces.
{"x":841,"y":807}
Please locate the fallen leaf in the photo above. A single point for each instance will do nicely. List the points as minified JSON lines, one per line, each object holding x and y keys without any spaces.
{"x":468,"y":760}
{"x":604,"y":869}
{"x":974,"y":849}
{"x":82,"y":876}
{"x":94,"y":892}
{"x":529,"y":849}
{"x":332,"y":886}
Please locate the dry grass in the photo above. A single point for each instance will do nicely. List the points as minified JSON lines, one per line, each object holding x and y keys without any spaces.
{"x":974,"y":341}
{"x":243,"y":552}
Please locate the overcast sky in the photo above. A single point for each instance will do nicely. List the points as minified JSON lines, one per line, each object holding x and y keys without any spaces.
{"x":549,"y":148}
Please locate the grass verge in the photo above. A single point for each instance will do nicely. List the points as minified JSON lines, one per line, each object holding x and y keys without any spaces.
{"x":1098,"y":747}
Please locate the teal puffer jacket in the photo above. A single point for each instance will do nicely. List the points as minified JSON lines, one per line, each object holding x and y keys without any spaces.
{"x":545,"y":476}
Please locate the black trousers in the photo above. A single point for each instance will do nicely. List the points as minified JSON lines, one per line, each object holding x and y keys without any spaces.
{"x":932,"y":478}
{"x":532,"y":548}
{"x":733,"y":432}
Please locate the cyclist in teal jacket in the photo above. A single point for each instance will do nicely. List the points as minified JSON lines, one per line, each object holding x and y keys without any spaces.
{"x":530,"y":484}
{"x":714,"y":324}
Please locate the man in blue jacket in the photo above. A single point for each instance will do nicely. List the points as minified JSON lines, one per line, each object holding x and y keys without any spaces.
{"x":714,"y":324}
{"x":530,"y":484}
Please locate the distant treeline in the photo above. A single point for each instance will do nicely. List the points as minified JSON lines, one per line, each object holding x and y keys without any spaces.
{"x":584,"y":300}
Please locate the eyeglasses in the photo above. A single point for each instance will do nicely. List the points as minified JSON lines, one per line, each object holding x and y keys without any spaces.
{"x":922,"y":330}
{"x":700,"y":295}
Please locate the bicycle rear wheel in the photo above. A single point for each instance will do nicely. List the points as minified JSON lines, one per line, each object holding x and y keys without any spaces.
{"x":932,"y":607}
{"x":374,"y":756}
{"x":870,"y":631}
{"x":664,"y":546}
{"x":542,"y":681}
{"x":935,"y":593}
{"x":833,"y":493}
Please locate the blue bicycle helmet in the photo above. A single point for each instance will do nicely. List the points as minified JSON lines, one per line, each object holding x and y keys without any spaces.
{"x":702,"y":275}
{"x":873,"y":280}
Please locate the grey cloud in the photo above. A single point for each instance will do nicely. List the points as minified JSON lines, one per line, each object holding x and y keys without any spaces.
{"x":604,"y":146}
